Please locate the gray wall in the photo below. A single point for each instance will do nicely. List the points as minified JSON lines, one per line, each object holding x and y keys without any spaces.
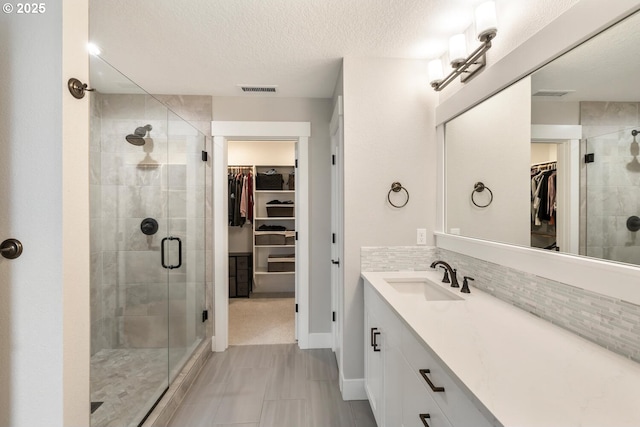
{"x":388,"y":136}
{"x":318,"y":112}
{"x":31,"y":287}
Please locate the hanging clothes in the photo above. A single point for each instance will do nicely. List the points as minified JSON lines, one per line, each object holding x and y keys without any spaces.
{"x":543,"y":193}
{"x":240,"y":196}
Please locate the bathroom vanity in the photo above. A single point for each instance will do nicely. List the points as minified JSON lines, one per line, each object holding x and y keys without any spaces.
{"x":437,"y":357}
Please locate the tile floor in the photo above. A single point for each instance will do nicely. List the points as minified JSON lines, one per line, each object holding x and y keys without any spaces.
{"x":270,"y":386}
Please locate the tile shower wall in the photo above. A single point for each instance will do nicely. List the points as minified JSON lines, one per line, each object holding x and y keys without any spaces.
{"x":608,"y":322}
{"x":128,"y":184}
{"x":610,"y":184}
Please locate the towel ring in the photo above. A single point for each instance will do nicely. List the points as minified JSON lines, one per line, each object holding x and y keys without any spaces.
{"x":396,"y":187}
{"x":479,"y":187}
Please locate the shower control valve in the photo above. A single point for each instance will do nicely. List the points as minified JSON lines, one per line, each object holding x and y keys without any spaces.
{"x":149,"y":226}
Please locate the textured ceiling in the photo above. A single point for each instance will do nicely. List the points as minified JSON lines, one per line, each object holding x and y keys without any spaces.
{"x":208,"y":47}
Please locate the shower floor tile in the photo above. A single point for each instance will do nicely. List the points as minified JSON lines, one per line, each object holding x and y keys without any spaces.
{"x":128,"y":382}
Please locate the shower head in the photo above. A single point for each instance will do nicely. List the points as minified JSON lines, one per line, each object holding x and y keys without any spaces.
{"x":137,"y":137}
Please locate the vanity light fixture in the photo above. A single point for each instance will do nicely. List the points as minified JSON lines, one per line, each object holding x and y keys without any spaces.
{"x":467,"y":66}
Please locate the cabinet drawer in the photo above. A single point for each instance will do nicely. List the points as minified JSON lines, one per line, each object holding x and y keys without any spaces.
{"x":242,"y":276}
{"x":453,"y":401}
{"x":416,"y":400}
{"x":232,"y":266}
{"x":242,"y":262}
{"x":232,"y":287}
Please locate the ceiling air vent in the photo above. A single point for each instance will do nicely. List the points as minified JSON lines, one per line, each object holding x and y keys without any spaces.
{"x":258,"y":89}
{"x":556,"y":93}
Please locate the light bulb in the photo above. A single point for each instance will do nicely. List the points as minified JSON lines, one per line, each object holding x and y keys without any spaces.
{"x":486,"y":21}
{"x":457,"y":50}
{"x":435,"y":71}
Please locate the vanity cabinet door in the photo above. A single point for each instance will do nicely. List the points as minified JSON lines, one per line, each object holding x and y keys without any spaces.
{"x":374,"y":366}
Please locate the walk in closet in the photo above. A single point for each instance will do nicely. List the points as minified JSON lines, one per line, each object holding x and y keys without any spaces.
{"x":262,"y":240}
{"x":543,"y":196}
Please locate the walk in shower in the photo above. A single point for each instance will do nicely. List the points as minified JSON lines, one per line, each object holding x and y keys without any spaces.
{"x":147,"y":247}
{"x":613,"y":192}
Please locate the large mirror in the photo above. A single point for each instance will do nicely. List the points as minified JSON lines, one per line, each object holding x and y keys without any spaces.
{"x":551,"y":162}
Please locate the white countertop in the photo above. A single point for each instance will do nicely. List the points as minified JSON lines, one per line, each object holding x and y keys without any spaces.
{"x":526,"y":371}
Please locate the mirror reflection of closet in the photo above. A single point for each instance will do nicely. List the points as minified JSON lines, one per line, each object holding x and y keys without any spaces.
{"x":544,"y":161}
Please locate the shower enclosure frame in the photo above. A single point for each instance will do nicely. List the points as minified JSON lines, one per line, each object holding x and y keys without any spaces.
{"x":148,"y":281}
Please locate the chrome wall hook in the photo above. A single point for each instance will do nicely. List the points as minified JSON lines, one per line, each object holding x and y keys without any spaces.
{"x":77,"y":88}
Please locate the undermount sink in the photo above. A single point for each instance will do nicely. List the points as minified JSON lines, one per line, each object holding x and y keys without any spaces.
{"x":422,"y":287}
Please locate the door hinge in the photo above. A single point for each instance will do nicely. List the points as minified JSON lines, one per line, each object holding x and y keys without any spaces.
{"x":205,"y":315}
{"x":333,"y":159}
{"x":296,"y":308}
{"x":589,"y":158}
{"x":333,"y":237}
{"x":296,"y":235}
{"x":296,"y":163}
{"x":205,"y":156}
{"x":333,"y":316}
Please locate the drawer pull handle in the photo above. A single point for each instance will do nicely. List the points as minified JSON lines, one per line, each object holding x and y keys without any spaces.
{"x":424,"y":418}
{"x":424,"y":373}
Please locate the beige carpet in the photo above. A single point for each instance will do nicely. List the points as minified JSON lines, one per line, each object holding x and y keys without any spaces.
{"x":261,"y":321}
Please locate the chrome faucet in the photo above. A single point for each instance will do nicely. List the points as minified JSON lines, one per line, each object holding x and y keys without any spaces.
{"x":452,"y":272}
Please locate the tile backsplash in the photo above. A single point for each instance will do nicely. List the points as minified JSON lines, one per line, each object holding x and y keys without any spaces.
{"x":396,"y":258}
{"x":608,"y":322}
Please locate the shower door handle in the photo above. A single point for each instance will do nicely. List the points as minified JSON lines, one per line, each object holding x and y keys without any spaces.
{"x":162,"y":255}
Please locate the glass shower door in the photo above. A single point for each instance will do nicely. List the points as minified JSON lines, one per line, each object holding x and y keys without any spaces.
{"x":147,"y":247}
{"x":186,"y":214}
{"x":613,"y":180}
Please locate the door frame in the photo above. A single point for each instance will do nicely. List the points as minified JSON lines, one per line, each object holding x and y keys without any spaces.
{"x":567,"y":138}
{"x":222,"y":132}
{"x":337,"y":226}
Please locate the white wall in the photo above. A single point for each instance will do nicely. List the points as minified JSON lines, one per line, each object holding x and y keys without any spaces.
{"x":388,"y":136}
{"x":554,"y":112}
{"x":44,"y":202}
{"x":542,"y":152}
{"x":483,"y":147}
{"x":318,"y":112}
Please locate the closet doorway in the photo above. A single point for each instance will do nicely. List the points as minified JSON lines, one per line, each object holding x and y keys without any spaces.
{"x":556,"y":148}
{"x":262,"y":224}
{"x":272,"y":288}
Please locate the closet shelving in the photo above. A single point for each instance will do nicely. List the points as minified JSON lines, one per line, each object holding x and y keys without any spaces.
{"x":261,"y":201}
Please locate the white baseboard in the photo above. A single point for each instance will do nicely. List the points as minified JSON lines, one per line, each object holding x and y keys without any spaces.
{"x":213,"y":343}
{"x":320,"y":340}
{"x":352,"y":389}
